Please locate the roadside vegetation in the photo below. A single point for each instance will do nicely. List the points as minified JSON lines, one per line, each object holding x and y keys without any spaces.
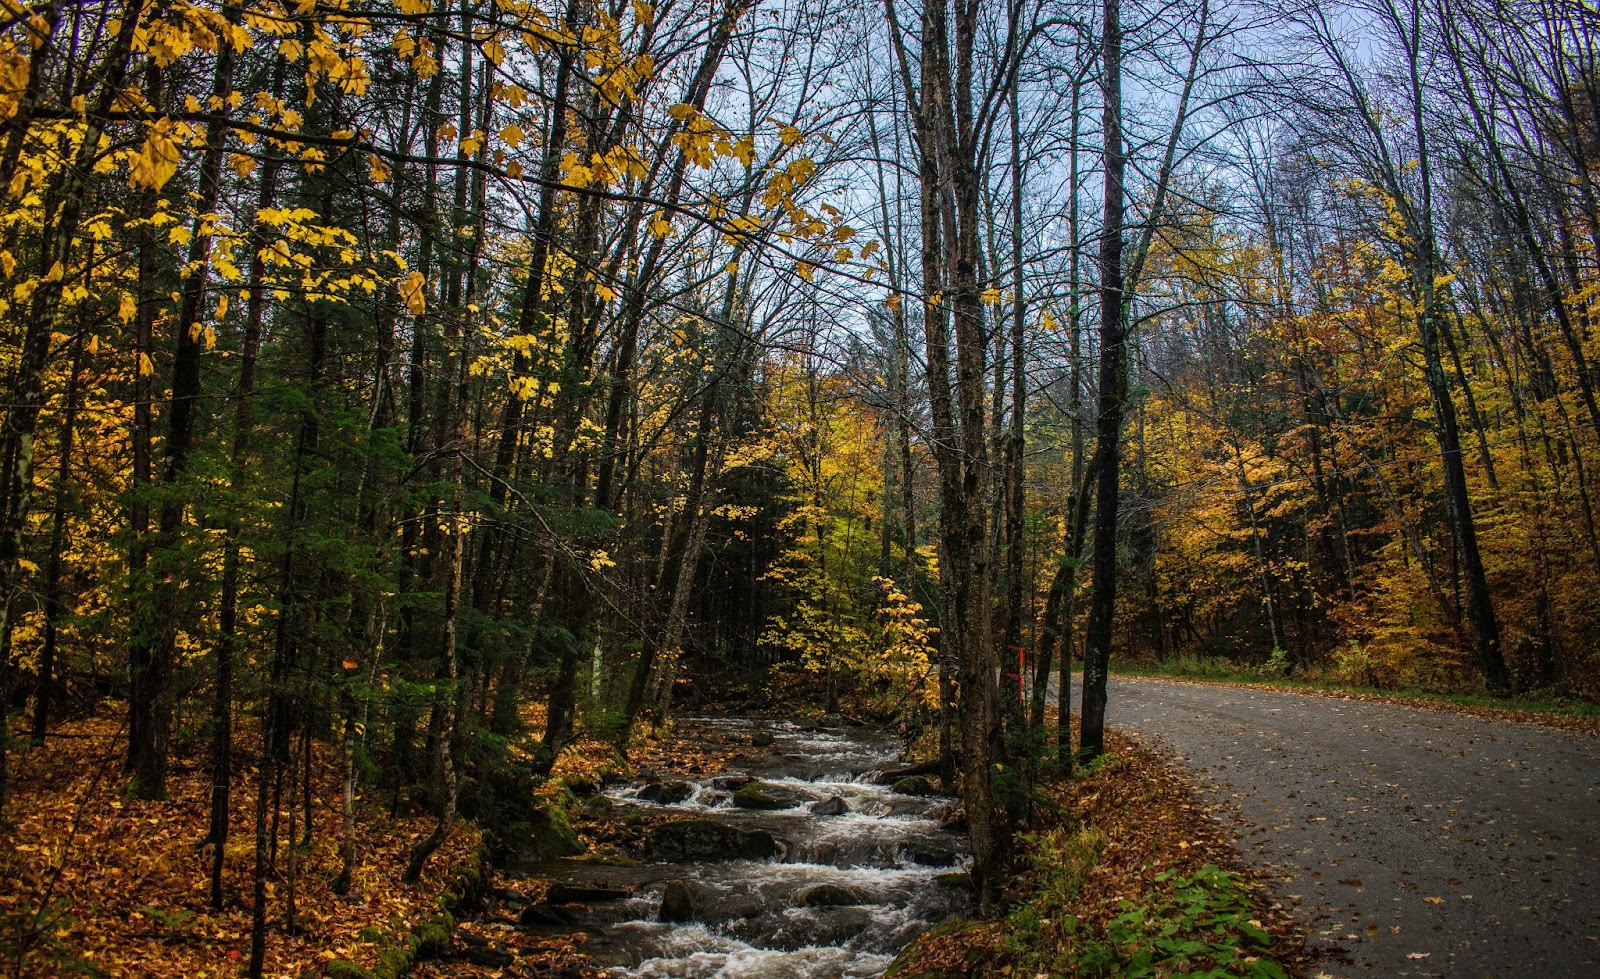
{"x":1125,"y":872}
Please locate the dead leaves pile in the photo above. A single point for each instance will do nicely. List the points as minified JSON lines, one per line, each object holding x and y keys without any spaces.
{"x":92,"y":882}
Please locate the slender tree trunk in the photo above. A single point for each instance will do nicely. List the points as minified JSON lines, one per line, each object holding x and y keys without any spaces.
{"x":55,"y":600}
{"x":1113,"y":394}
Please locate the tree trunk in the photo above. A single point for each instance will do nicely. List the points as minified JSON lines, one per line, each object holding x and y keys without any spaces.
{"x":1113,"y":394}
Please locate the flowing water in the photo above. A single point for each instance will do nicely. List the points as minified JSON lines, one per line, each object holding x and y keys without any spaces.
{"x":884,"y":857}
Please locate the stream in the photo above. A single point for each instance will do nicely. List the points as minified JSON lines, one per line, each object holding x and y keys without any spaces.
{"x":829,"y":880}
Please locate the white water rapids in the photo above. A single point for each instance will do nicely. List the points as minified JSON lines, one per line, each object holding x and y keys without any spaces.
{"x":752,"y":919}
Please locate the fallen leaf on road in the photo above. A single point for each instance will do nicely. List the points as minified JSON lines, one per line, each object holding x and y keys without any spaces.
{"x":1418,"y":955}
{"x":1434,"y":900}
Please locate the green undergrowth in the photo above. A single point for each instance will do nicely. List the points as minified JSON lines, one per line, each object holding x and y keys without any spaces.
{"x":1199,"y":924}
{"x":1535,"y":703}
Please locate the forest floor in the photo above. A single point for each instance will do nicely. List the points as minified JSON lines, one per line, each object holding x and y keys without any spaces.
{"x":1417,"y":842}
{"x":92,"y":883}
{"x":95,"y":883}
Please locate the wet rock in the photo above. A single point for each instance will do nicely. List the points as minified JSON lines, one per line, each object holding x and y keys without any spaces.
{"x":831,"y":806}
{"x":546,"y":835}
{"x":762,"y":739}
{"x":488,"y":956}
{"x":743,"y":908}
{"x":806,"y":724}
{"x":956,"y":880}
{"x":833,"y":896}
{"x":955,"y":824}
{"x":933,"y":854}
{"x":584,"y":894}
{"x":546,"y":914}
{"x":764,"y":795}
{"x":913,"y":785}
{"x":830,"y":720}
{"x":681,"y":900}
{"x":666,"y":793}
{"x":732,"y":783}
{"x":703,"y":839}
{"x":582,"y":785}
{"x":598,"y":804}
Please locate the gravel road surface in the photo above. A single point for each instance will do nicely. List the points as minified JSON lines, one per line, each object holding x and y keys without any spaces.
{"x":1415,"y":842}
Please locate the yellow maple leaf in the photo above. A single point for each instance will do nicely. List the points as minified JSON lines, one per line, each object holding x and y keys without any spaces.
{"x":157,"y":161}
{"x":413,"y":294}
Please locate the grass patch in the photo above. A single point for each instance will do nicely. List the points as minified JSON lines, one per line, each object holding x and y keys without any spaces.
{"x":1538,"y":706}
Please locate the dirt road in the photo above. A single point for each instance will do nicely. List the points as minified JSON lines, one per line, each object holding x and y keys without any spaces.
{"x":1420,"y":842}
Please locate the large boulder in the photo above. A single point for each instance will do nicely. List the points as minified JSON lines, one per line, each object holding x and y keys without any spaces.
{"x":547,"y":834}
{"x":833,"y":896}
{"x":702,"y":839}
{"x":832,"y":806}
{"x":933,"y":853}
{"x":913,"y":785}
{"x":681,"y":900}
{"x":667,"y":792}
{"x":765,"y":795}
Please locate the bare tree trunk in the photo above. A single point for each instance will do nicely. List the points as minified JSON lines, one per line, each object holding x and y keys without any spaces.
{"x":1113,"y":394}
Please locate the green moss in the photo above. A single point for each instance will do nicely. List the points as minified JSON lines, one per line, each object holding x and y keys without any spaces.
{"x":345,"y":969}
{"x":431,"y":937}
{"x":548,"y":834}
{"x":394,"y":962}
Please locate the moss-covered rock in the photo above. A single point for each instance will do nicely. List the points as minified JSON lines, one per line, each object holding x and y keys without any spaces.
{"x":430,"y":938}
{"x":766,"y":796}
{"x":702,"y":839}
{"x":833,"y":896}
{"x":547,"y":835}
{"x":912,"y":962}
{"x":345,"y":969}
{"x":667,"y":791}
{"x":914,"y":785}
